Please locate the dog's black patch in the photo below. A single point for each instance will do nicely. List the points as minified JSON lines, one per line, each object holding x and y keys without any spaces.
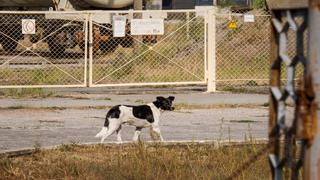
{"x":143,"y":112}
{"x":114,"y":112}
{"x":106,"y":122}
{"x":164,"y":103}
{"x":139,"y":128}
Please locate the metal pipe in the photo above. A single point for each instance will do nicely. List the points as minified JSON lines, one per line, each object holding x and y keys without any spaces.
{"x":113,"y":4}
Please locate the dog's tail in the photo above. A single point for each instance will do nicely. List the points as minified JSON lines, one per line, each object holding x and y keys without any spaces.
{"x":104,"y":128}
{"x":102,"y":132}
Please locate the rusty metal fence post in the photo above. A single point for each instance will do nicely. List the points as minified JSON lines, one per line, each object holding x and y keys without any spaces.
{"x":312,"y":160}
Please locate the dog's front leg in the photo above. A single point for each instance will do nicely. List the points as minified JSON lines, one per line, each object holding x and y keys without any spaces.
{"x":137,"y":133}
{"x":155,"y":132}
{"x":119,"y":139}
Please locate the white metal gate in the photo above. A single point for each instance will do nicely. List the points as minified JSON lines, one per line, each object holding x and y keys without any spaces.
{"x":176,"y":57}
{"x":52,"y":49}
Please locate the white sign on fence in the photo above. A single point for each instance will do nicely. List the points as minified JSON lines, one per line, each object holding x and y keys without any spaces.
{"x":119,"y":26}
{"x":28,"y":26}
{"x":147,"y":27}
{"x":154,"y":15}
{"x":248,"y":18}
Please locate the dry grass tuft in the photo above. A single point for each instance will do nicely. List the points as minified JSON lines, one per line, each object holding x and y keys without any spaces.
{"x":135,"y":161}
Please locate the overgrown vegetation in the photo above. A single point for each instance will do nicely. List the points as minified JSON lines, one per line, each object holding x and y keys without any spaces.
{"x":135,"y":162}
{"x":44,"y":76}
{"x":257,"y":4}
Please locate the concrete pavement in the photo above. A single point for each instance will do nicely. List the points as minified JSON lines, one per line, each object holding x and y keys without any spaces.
{"x":29,"y":122}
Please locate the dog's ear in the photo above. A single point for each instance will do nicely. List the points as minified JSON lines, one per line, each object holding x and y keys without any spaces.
{"x":171,"y":98}
{"x":160,"y":98}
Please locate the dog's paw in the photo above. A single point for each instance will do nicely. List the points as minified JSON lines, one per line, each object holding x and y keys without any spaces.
{"x":119,"y":142}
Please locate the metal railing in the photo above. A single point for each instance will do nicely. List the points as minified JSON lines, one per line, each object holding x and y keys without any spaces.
{"x":294,"y":141}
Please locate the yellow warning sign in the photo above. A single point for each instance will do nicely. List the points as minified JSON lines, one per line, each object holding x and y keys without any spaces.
{"x":232,"y":24}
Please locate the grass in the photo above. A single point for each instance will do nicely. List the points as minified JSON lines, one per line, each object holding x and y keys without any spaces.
{"x":52,"y":108}
{"x":243,"y":121}
{"x":25,"y":92}
{"x":44,"y":76}
{"x":37,"y":93}
{"x":182,"y":106}
{"x":135,"y":161}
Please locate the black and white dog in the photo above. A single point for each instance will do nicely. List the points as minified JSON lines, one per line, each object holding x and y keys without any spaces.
{"x":139,"y":116}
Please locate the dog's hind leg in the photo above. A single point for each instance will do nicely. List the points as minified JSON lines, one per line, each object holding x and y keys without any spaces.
{"x":119,"y":139}
{"x":113,"y":126}
{"x":102,"y":132}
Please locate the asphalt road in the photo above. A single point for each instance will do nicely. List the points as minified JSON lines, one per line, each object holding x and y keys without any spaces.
{"x":78,"y":121}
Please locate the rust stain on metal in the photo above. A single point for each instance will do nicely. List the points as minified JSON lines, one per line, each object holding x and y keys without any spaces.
{"x":315,"y":4}
{"x":307,"y":111}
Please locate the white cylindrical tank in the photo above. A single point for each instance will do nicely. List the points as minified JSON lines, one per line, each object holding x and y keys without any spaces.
{"x":25,"y":3}
{"x":109,"y":3}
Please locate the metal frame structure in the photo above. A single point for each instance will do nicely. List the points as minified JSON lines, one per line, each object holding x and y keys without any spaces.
{"x":312,"y":163}
{"x":222,"y":63}
{"x":295,"y":142}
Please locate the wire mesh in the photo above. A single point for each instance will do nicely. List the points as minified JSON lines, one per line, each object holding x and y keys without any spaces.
{"x":175,"y":56}
{"x":56,"y":53}
{"x":243,"y":52}
{"x":42,"y":49}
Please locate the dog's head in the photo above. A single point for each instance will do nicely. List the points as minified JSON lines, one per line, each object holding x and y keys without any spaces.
{"x":165,"y":103}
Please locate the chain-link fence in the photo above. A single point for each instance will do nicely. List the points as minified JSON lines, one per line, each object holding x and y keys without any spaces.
{"x":55,"y":51}
{"x":177,"y":56}
{"x":42,"y":49}
{"x":51,"y":49}
{"x":243,"y":50}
